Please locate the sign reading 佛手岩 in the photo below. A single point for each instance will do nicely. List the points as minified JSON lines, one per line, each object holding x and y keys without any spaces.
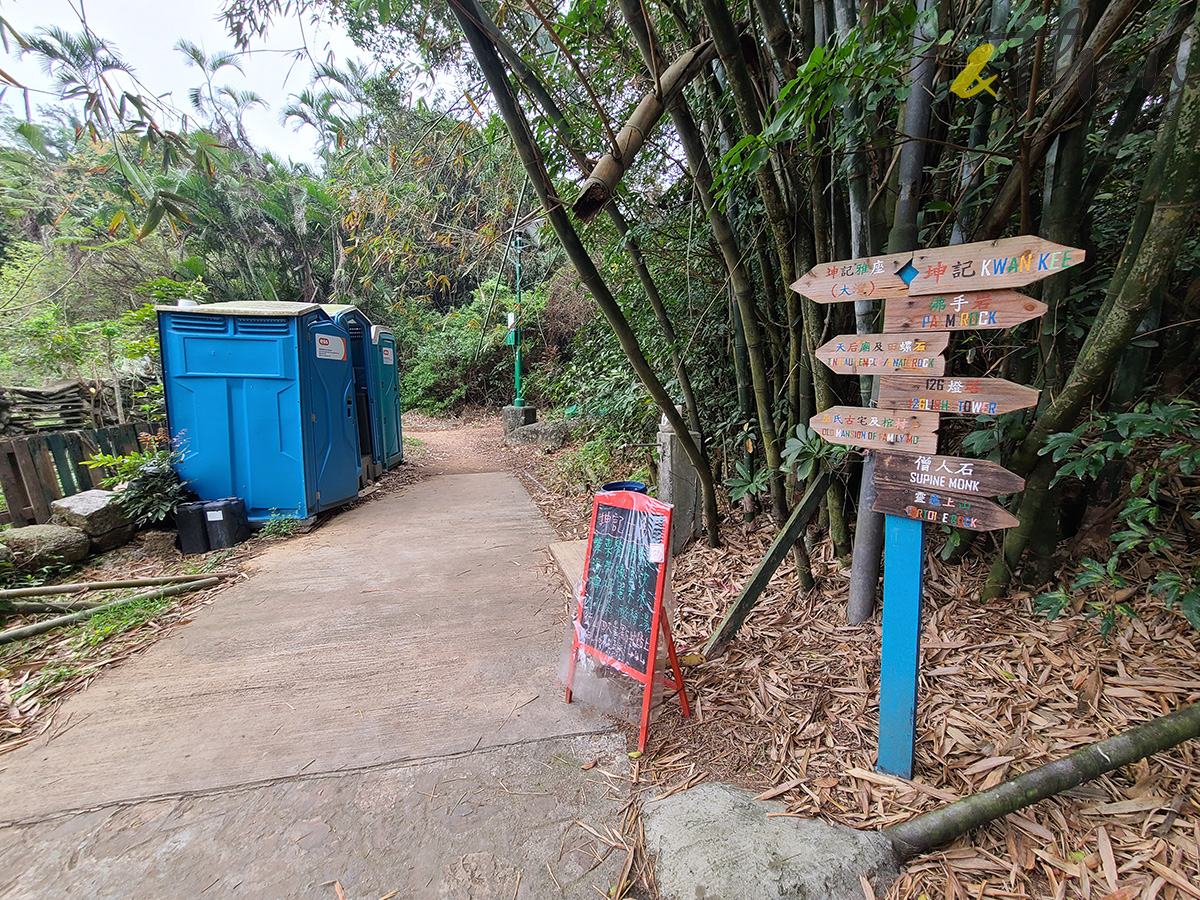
{"x":946,"y":394}
{"x":881,"y":429}
{"x":987,"y":265}
{"x":879,"y":354}
{"x":969,"y":311}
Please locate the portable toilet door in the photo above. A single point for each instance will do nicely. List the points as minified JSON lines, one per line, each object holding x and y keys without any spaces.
{"x":358,"y":327}
{"x":383,"y":346}
{"x":333,"y":429}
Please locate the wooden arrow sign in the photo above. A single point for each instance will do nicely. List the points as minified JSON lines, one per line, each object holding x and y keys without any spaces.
{"x":882,"y":429}
{"x":941,"y":508}
{"x":965,"y":396}
{"x":880,"y":354}
{"x":980,"y":477}
{"x":867,"y":278}
{"x":1005,"y":263}
{"x":969,"y":311}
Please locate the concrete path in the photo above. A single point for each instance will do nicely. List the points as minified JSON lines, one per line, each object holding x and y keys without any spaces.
{"x":375,"y":706}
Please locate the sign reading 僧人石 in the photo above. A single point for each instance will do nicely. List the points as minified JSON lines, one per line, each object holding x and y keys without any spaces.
{"x":1006,"y":263}
{"x":968,"y":311}
{"x":980,"y":477}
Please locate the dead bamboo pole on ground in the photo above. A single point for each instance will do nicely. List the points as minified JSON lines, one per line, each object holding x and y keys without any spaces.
{"x":16,"y":634}
{"x":935,"y":829}
{"x":47,"y":590}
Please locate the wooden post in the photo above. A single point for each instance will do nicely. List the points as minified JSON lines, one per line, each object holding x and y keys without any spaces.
{"x":903,"y":565}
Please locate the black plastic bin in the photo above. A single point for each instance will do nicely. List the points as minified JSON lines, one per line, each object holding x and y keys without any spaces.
{"x":193,"y":528}
{"x":226,"y":521}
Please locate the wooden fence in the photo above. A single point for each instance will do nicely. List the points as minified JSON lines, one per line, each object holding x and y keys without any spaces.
{"x":41,"y":468}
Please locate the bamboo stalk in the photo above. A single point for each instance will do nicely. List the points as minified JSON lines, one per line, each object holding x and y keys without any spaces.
{"x":16,"y":634}
{"x":47,"y":590}
{"x":25,"y":609}
{"x":942,"y":826}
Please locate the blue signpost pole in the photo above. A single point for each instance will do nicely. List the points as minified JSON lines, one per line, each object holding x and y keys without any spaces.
{"x":903,"y":566}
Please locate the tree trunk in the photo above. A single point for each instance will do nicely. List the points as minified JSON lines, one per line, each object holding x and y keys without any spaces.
{"x":731,"y":254}
{"x":531,"y":157}
{"x":1170,"y":197}
{"x":1062,"y":107}
{"x":942,"y":826}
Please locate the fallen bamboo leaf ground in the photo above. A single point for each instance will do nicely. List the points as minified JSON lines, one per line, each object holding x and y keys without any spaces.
{"x":791,"y":709}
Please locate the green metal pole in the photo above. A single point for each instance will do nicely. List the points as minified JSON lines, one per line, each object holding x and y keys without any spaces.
{"x":519,"y":401}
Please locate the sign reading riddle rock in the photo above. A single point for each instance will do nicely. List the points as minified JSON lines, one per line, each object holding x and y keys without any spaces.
{"x":941,"y":507}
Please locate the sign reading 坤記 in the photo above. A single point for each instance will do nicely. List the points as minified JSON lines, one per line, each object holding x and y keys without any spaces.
{"x":1005,"y":263}
{"x":878,"y":354}
{"x":968,"y":311}
{"x":867,"y":278}
{"x":946,"y":394}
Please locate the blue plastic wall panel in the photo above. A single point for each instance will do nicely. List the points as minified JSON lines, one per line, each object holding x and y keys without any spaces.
{"x":387,"y":372}
{"x":327,"y":379}
{"x":233,"y":396}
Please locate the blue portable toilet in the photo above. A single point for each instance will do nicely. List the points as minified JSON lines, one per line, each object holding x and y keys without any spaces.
{"x":358,"y":328}
{"x":387,"y":371}
{"x":376,"y":386}
{"x":260,"y":400}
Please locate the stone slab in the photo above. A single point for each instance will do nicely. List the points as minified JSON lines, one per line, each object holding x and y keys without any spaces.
{"x":570,"y":556}
{"x":715,"y":842}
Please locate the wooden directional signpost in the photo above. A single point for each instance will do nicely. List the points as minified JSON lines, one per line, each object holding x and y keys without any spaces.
{"x":965,"y":396}
{"x":882,"y":429}
{"x":856,"y":279}
{"x":878,"y":354}
{"x":1006,"y":263}
{"x":968,"y":311}
{"x":961,"y":288}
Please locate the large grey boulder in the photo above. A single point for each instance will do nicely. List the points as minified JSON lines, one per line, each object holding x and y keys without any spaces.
{"x":99,"y":514}
{"x":35,"y":546}
{"x":547,"y":435}
{"x":715,"y":842}
{"x":6,"y":558}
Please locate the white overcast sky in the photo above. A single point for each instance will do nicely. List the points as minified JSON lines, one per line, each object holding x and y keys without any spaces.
{"x":145,"y":31}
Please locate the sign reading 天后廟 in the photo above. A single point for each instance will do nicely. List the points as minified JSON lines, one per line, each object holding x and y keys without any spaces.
{"x":879,"y":354}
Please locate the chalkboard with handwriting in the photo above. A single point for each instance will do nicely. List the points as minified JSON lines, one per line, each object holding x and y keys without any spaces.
{"x":624,"y":578}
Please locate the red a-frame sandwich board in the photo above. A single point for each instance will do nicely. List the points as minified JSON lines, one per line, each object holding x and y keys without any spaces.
{"x":658,"y":547}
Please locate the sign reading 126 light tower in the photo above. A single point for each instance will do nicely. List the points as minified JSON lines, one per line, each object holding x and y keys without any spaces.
{"x":929,"y":294}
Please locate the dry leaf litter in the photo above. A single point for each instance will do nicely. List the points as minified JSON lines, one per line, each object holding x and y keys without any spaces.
{"x":791,"y":712}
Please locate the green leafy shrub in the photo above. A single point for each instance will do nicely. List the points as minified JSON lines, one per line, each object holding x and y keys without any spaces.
{"x":146,"y":482}
{"x":1165,"y":437}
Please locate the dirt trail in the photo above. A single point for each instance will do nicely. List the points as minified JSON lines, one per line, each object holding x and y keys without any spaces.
{"x":459,"y":448}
